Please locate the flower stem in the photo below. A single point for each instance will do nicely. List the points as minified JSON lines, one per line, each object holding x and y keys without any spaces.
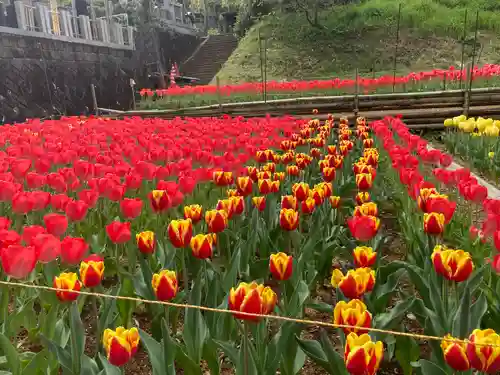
{"x":95,"y":311}
{"x":245,"y":348}
{"x":184,"y":269}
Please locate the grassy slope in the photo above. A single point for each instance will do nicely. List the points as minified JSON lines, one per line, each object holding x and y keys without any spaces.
{"x":363,"y":36}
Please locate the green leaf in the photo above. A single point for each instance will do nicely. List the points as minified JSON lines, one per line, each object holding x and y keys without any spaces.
{"x":187,"y":364}
{"x":155,"y":353}
{"x":210,"y":354}
{"x":195,"y":329}
{"x":320,"y":306}
{"x":126,"y":307}
{"x":89,"y":367}
{"x":293,"y":356}
{"x":407,"y":351}
{"x":381,"y":294}
{"x":428,"y":367}
{"x":38,"y":362}
{"x":477,"y":312}
{"x":11,"y":354}
{"x":461,"y":320}
{"x":394,"y":315}
{"x":108,"y":368}
{"x":229,"y":350}
{"x":276,"y":347}
{"x":230,"y":277}
{"x":169,"y":349}
{"x":61,"y":334}
{"x":298,"y":298}
{"x":63,"y":356}
{"x":334,"y":358}
{"x":246,"y":364}
{"x":314,"y":351}
{"x":77,"y":337}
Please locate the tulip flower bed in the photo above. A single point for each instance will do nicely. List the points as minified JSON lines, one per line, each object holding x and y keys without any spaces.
{"x":476,"y":142}
{"x":201,"y":245}
{"x":436,"y":79}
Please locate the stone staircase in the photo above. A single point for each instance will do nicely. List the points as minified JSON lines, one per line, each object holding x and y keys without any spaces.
{"x":209,"y":57}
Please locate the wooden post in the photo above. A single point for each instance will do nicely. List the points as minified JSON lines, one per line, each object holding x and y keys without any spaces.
{"x":261,"y":66}
{"x":356,"y":94}
{"x":396,"y":50}
{"x":463,"y":50}
{"x":94,"y":99}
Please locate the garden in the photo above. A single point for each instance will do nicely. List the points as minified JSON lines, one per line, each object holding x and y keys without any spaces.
{"x":245,"y":246}
{"x":452,"y":78}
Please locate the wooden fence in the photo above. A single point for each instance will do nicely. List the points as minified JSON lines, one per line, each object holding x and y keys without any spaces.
{"x":424,"y":110}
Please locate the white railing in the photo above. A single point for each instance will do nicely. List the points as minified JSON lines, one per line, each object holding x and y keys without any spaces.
{"x":40,"y":18}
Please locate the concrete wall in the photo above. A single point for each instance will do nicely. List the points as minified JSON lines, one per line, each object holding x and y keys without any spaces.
{"x":43,"y":75}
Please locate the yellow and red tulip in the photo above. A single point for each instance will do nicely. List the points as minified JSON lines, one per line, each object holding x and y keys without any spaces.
{"x":275,"y":186}
{"x":165,"y":285}
{"x":265,"y":186}
{"x":315,"y":152}
{"x":264,"y":175}
{"x":362,"y":356}
{"x":279,"y":176}
{"x":193,"y":212}
{"x":355,"y":283}
{"x":362,"y":197}
{"x":289,"y":219}
{"x":307,"y":206}
{"x":146,"y":242}
{"x":281,"y":266}
{"x":455,"y":354}
{"x":226,"y":205}
{"x":160,"y":201}
{"x":216,"y":220}
{"x":253,"y":299}
{"x":332,"y":149}
{"x":326,"y":187}
{"x":70,"y":283}
{"x":222,"y":178}
{"x":202,"y":245}
{"x":180,"y":232}
{"x":455,"y":265}
{"x":364,"y":181}
{"x":366,"y":209}
{"x":352,"y":313}
{"x":237,"y":205}
{"x":252,"y":173}
{"x":120,"y":344}
{"x":364,"y":256}
{"x":259,"y":203}
{"x":434,"y":223}
{"x":91,"y":271}
{"x":301,"y":191}
{"x":423,"y":195}
{"x":485,"y":356}
{"x":292,"y":170}
{"x":368,"y":142}
{"x":334,"y":201}
{"x":318,"y":195}
{"x":289,"y":201}
{"x":232,"y":193}
{"x":328,"y":174}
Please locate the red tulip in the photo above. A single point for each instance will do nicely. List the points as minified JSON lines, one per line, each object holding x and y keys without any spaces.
{"x":118,"y":232}
{"x":76,"y":210}
{"x":56,"y":224}
{"x":59,"y":201}
{"x":476,"y":193}
{"x":22,"y":202}
{"x":20,"y":167}
{"x":18,"y":261}
{"x":9,"y":237}
{"x":131,"y":208}
{"x":89,"y":196}
{"x":31,"y":232}
{"x":7,"y":190}
{"x":363,"y":228}
{"x":73,"y":250}
{"x":47,"y":246}
{"x":495,"y":264}
{"x":4,"y":223}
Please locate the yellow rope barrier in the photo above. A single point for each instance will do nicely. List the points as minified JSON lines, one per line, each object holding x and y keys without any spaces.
{"x":225,"y":311}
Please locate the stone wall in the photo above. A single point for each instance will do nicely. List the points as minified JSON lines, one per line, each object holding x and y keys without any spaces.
{"x":43,"y":75}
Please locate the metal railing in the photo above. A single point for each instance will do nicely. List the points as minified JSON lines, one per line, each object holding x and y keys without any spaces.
{"x":40,"y":18}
